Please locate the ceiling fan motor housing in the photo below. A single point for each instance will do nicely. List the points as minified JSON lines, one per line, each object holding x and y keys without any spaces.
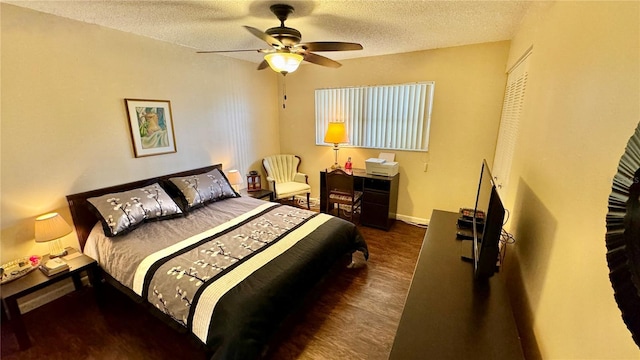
{"x":288,"y":36}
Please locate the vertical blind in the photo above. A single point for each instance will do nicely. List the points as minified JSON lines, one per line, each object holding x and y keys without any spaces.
{"x":393,"y":117}
{"x":509,"y":123}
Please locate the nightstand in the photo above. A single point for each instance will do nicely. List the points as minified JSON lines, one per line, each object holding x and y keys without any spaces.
{"x":258,"y":194}
{"x":36,"y":280}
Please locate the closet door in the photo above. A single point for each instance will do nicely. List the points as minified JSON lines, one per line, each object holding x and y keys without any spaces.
{"x":512,"y":106}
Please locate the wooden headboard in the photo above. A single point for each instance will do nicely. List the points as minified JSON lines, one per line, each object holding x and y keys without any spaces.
{"x":84,"y":219}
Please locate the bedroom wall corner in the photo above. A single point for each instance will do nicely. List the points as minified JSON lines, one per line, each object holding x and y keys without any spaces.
{"x":583,"y":104}
{"x":64,"y":125}
{"x":469,"y":89}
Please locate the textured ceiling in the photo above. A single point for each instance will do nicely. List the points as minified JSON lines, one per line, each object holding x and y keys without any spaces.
{"x":382,"y":27}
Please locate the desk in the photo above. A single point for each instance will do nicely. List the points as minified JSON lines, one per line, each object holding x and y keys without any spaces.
{"x":379,"y":197}
{"x":448,"y":315}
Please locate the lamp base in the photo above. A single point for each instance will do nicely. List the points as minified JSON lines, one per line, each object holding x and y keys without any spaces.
{"x":335,"y":162}
{"x":56,"y":249}
{"x":63,"y":253}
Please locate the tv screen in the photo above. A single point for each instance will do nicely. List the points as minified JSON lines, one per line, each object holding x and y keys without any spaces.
{"x":487,"y":228}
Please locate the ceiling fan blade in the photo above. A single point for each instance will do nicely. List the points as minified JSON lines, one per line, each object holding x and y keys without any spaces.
{"x":263,"y":65}
{"x":226,"y":51}
{"x":330,"y":46}
{"x":265,"y":37}
{"x":321,"y":60}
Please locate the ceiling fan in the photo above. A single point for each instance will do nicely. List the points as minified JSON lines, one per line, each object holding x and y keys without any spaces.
{"x":287,"y":52}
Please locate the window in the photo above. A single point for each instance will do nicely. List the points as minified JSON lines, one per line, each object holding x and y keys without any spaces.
{"x":395,"y":117}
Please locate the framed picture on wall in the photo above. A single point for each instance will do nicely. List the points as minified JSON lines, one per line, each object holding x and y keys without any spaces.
{"x":151,"y":126}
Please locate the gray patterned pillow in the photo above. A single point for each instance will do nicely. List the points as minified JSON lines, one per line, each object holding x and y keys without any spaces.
{"x":197,"y":190}
{"x":124,"y":211}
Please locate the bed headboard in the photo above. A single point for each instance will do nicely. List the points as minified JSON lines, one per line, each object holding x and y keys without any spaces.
{"x":84,"y":219}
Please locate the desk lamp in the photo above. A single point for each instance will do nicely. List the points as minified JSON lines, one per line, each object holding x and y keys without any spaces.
{"x":336,"y":134}
{"x":50,"y":228}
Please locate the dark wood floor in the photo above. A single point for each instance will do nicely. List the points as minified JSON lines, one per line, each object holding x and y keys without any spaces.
{"x":354,"y":315}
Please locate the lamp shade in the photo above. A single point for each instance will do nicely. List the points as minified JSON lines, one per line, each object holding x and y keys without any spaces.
{"x":51,"y":226}
{"x":283,"y":62}
{"x":234,"y":177}
{"x":336,"y":133}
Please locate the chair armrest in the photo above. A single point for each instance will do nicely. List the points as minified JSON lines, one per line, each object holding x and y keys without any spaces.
{"x":271,"y":182}
{"x":301,"y":178}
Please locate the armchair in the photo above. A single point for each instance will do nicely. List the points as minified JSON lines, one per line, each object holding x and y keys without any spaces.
{"x":283,"y":177}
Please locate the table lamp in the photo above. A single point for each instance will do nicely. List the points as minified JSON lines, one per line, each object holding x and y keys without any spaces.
{"x":50,"y":228}
{"x":336,"y":134}
{"x":234,"y":179}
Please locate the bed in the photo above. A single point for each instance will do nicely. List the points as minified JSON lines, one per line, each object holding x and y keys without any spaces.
{"x":226,"y":268}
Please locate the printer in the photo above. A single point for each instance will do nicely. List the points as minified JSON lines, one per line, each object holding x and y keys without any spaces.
{"x":382,"y":165}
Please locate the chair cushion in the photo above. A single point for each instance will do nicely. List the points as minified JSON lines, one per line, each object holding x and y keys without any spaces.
{"x":346,"y":198}
{"x":291,"y":188}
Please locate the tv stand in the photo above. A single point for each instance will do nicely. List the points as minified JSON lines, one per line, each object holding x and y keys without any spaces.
{"x":448,"y":315}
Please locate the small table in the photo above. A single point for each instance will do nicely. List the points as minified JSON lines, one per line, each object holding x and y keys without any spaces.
{"x":36,"y":280}
{"x":258,"y":194}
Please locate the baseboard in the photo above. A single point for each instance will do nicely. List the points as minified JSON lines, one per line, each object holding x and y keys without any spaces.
{"x":412,"y":220}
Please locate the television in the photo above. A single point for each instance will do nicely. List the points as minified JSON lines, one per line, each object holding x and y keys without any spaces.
{"x":487,"y":229}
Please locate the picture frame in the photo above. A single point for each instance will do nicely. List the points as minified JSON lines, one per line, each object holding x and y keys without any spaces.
{"x":151,"y":127}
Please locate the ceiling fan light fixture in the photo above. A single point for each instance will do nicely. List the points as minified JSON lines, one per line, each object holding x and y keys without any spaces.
{"x":284,"y":62}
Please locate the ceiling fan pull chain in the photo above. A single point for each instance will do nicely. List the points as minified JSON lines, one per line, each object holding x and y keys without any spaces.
{"x":284,"y":92}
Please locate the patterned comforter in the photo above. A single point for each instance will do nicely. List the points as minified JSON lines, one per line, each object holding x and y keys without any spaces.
{"x":231,"y":271}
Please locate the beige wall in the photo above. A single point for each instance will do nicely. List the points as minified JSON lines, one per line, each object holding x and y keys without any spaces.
{"x":582,"y":106}
{"x":469,"y":88}
{"x":63,"y":130}
{"x":64,"y":126}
